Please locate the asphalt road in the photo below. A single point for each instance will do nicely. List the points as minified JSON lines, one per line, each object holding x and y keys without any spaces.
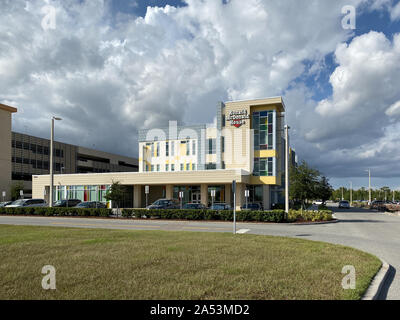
{"x":369,"y":231}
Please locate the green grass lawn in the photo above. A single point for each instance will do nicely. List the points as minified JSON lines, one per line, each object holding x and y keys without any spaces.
{"x":115,"y":264}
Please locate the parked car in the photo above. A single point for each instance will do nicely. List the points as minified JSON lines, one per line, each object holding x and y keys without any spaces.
{"x":344,"y":204}
{"x":194,"y":206}
{"x":220,"y":206}
{"x":91,"y":205}
{"x":165,"y":204}
{"x":252,"y":207}
{"x":67,"y":203}
{"x":28,"y":203}
{"x":376,"y":204}
{"x":318,"y":202}
{"x":6,"y":203}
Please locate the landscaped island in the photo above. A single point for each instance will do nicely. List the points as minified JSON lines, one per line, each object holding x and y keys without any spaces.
{"x":125,"y":264}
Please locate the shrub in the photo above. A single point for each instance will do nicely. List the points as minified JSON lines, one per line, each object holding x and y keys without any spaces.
{"x":275,"y":216}
{"x":307,"y":215}
{"x":50,"y":212}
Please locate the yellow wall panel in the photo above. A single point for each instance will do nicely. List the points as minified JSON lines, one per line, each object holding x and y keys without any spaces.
{"x":265,"y":154}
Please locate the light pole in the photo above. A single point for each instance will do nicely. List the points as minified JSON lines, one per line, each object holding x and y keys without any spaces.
{"x":369,"y":186}
{"x":342,"y":193}
{"x":351,"y":193}
{"x":287,"y":169}
{"x":51,"y":160}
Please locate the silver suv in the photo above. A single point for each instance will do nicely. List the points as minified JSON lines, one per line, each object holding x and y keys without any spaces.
{"x":28,"y":203}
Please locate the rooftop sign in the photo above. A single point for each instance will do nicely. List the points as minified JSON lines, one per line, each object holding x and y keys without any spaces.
{"x":238,"y":118}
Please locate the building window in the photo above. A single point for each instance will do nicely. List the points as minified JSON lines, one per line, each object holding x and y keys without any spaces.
{"x":158,"y":168}
{"x":188,"y":148}
{"x":152,"y":168}
{"x":193,"y":167}
{"x":172,"y":148}
{"x":187,"y":166}
{"x":212,"y":146}
{"x":158,"y":149}
{"x":166,"y":167}
{"x":263,"y":130}
{"x":167,"y":149}
{"x":181,"y":166}
{"x":223,"y":120}
{"x":172,"y":167}
{"x":263,"y":167}
{"x":223,"y":144}
{"x":194,"y":147}
{"x":211,"y":166}
{"x":152,"y":150}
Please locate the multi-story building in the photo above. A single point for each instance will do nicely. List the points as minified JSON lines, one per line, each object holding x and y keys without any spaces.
{"x":245,"y":145}
{"x":25,"y":155}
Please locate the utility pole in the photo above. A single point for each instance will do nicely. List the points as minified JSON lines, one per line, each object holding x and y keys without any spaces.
{"x":351,"y":193}
{"x":51,"y":161}
{"x":287,"y":169}
{"x":369,"y":187}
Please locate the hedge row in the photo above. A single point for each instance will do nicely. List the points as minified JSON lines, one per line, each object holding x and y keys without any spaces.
{"x":48,"y":212}
{"x":308,"y":215}
{"x":177,"y":214}
{"x":277,"y":216}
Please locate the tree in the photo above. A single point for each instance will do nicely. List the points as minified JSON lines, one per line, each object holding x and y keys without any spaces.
{"x":324,"y":189}
{"x":15,"y":190}
{"x":115,"y":193}
{"x":304,"y":183}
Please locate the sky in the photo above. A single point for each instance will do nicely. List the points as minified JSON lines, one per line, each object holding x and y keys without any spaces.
{"x":111,"y":67}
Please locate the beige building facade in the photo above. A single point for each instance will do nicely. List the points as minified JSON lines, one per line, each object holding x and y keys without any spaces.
{"x":5,"y":150}
{"x":246,"y":145}
{"x":23,"y":155}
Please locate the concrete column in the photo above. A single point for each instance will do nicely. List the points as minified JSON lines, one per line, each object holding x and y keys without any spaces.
{"x":204,"y":194}
{"x":228,"y":189}
{"x":240,"y":187}
{"x":137,"y":196}
{"x":169,"y":191}
{"x":266,"y":197}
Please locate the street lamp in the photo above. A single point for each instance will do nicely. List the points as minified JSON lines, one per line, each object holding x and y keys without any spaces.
{"x":287,"y":169}
{"x":51,"y":160}
{"x":351,"y":193}
{"x":369,"y":186}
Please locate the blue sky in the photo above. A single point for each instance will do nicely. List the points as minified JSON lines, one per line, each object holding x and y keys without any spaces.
{"x":139,"y":64}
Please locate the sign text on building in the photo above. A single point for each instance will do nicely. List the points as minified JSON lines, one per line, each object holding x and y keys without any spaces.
{"x":238,"y":118}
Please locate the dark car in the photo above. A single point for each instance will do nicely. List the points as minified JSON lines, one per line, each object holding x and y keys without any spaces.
{"x":67,"y":203}
{"x":344,"y":204}
{"x":164,"y":204}
{"x":91,"y":205}
{"x":252,"y":207}
{"x":377,"y":204}
{"x":194,"y":206}
{"x":220,"y":206}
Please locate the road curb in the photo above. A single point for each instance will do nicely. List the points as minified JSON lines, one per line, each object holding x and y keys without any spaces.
{"x":376,"y":285}
{"x":312,"y":223}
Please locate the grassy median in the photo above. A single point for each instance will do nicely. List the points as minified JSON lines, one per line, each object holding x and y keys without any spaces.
{"x":115,"y":264}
